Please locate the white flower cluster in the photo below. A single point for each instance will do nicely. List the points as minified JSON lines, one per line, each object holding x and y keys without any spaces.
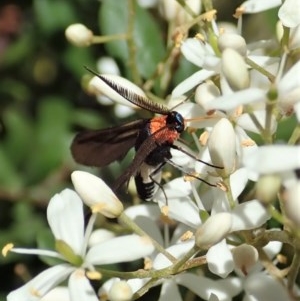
{"x":241,"y":92}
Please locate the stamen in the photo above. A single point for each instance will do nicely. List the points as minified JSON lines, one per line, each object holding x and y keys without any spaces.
{"x":7,"y":249}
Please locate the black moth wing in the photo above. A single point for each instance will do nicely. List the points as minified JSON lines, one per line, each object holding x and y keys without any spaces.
{"x":144,"y":150}
{"x":101,"y":147}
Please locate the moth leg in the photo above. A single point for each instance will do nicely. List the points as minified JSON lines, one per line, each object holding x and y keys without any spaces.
{"x":194,"y":157}
{"x":190,"y":174}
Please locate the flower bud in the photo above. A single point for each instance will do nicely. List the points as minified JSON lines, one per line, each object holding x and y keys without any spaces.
{"x":96,"y":194}
{"x":222,"y":147}
{"x":213,"y":230}
{"x":244,"y":257}
{"x":171,"y":10}
{"x":107,"y":65}
{"x":233,"y":41}
{"x":235,"y":70}
{"x":267,"y":188}
{"x":79,"y":35}
{"x":205,"y":93}
{"x":120,"y":291}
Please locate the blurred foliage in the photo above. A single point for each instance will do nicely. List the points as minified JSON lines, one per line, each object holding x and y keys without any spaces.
{"x":42,"y":104}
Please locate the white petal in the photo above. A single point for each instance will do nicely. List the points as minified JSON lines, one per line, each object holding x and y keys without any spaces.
{"x":169,"y":291}
{"x":60,"y":293}
{"x":290,"y":80}
{"x":264,"y":287}
{"x":183,"y":209}
{"x":177,"y":251}
{"x":238,"y":181}
{"x":120,"y":249}
{"x":150,"y":226}
{"x":194,"y":51}
{"x":255,"y":6}
{"x":289,"y":13}
{"x":245,"y":122}
{"x":232,"y":101}
{"x":66,"y":219}
{"x":219,"y":259}
{"x":204,"y":287}
{"x":148,"y":210}
{"x":41,"y":284}
{"x":191,"y":82}
{"x":100,"y":235}
{"x":96,"y":194}
{"x":80,"y":287}
{"x":273,"y":158}
{"x":249,"y":215}
{"x":297,"y":111}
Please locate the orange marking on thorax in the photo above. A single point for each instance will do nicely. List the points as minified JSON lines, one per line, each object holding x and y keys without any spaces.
{"x":158,"y":124}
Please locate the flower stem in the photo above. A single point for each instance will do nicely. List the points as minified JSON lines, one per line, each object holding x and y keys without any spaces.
{"x":109,"y":38}
{"x":263,"y":71}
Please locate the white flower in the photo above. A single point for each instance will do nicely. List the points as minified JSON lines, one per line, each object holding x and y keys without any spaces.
{"x":146,"y":216}
{"x":66,"y":219}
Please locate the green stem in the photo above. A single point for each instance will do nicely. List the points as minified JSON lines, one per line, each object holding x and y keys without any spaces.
{"x":295,"y":137}
{"x":276,"y":215}
{"x":131,"y":43}
{"x":113,"y":37}
{"x":176,"y":267}
{"x":229,"y":193}
{"x":268,"y":122}
{"x":260,"y":69}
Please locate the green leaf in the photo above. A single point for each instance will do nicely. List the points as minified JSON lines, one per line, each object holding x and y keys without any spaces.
{"x":147,"y":35}
{"x":52,"y":138}
{"x":53,"y":15}
{"x":113,"y":19}
{"x":10,"y":178}
{"x":76,"y":58}
{"x":19,"y":133}
{"x":19,"y":50}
